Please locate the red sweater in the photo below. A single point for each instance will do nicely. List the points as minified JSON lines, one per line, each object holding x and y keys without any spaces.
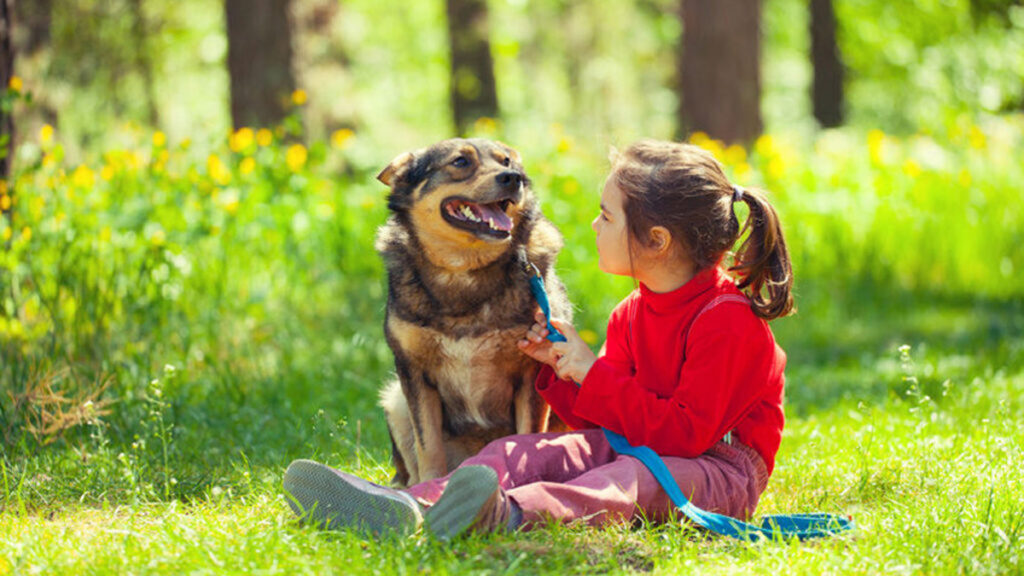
{"x":678,"y":386}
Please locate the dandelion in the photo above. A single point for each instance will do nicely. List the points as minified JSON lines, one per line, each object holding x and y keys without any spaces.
{"x":26,"y":233}
{"x":911,"y":168}
{"x":564,"y":144}
{"x":340,"y":138}
{"x":217,"y":170}
{"x":486,"y":125}
{"x":296,"y":157}
{"x":876,"y":139}
{"x":6,"y":234}
{"x":299,"y":97}
{"x":5,"y":202}
{"x":247,"y":165}
{"x":735,"y":155}
{"x":46,"y":134}
{"x":107,"y":172}
{"x":83,"y":177}
{"x":976,"y":138}
{"x":241,"y":140}
{"x":185,"y":144}
{"x":159,"y":139}
{"x":264,"y":137}
{"x":15,"y":84}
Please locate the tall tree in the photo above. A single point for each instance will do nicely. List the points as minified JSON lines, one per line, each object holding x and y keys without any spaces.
{"x":144,"y":59}
{"x":259,"y":61}
{"x":34,"y":17}
{"x":827,"y":86}
{"x":719,"y":69}
{"x":473,"y":91}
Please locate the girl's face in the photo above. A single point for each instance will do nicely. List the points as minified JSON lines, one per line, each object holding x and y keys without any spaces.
{"x":612,"y":235}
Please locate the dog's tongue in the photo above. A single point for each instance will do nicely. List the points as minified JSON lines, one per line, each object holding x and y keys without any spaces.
{"x":493,"y":213}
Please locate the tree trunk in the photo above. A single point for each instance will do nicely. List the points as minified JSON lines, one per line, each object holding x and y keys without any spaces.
{"x":33,"y":17}
{"x":259,"y":61}
{"x":719,"y":69}
{"x":828,"y":70}
{"x":6,"y":116}
{"x":144,"y":61}
{"x":473,"y":91}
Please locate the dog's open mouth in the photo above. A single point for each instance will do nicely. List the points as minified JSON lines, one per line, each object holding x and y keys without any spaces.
{"x":481,"y":219}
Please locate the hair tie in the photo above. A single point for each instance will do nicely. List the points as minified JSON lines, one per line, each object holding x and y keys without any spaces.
{"x":737,"y":193}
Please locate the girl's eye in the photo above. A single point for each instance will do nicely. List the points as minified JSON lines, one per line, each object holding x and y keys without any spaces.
{"x":460,"y":162}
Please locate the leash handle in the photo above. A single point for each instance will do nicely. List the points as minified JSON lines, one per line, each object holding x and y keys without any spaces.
{"x":541,"y":296}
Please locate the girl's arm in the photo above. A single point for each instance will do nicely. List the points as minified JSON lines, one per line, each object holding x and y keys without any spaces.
{"x":730,"y":359}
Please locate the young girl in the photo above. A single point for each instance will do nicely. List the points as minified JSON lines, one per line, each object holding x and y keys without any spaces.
{"x":689,"y":369}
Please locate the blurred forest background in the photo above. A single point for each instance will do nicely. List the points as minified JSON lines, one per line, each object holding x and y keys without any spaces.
{"x":187,"y":270}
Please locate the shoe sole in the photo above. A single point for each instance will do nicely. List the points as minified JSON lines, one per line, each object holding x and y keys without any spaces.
{"x":468,"y":489}
{"x":322,"y":497}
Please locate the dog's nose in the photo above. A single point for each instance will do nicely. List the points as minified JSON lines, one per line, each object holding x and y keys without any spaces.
{"x":509,"y":179}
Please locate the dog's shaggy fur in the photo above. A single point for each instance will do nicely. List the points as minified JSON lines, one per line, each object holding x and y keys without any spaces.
{"x":464,"y":229}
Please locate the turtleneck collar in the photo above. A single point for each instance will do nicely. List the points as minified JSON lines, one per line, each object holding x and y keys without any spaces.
{"x":680,"y":297}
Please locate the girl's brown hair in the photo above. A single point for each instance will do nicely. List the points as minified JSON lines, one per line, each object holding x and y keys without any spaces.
{"x":683,"y":188}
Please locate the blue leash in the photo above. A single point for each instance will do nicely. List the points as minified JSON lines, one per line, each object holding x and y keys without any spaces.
{"x":801,"y":526}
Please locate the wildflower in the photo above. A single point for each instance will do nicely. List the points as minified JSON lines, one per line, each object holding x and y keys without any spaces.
{"x":588,"y":336}
{"x":241,"y":140}
{"x":26,"y":233}
{"x":185,"y":144}
{"x":977,"y":138}
{"x":295,"y":157}
{"x":107,"y":172}
{"x":486,"y":125}
{"x":15,"y":84}
{"x":5,"y":202}
{"x":299,"y":97}
{"x":105,"y":234}
{"x":764,"y":145}
{"x":264,"y":137}
{"x":911,"y":168}
{"x":876,"y":138}
{"x":46,"y":134}
{"x":340,"y":138}
{"x":158,"y":238}
{"x":159,"y":139}
{"x":6,"y":234}
{"x":564,"y":144}
{"x":735,"y":154}
{"x":248,"y":165}
{"x":217,"y":170}
{"x":964,"y":178}
{"x":83,"y":177}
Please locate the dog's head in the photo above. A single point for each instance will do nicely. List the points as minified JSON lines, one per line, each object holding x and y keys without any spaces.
{"x":464,"y":199}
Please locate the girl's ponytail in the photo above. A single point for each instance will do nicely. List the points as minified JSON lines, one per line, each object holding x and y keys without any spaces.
{"x":762,"y":261}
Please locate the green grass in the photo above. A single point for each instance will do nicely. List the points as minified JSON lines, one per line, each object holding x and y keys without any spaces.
{"x":207,"y":323}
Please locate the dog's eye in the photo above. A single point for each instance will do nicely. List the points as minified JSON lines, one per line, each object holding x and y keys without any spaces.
{"x":507,"y":161}
{"x":460,"y":162}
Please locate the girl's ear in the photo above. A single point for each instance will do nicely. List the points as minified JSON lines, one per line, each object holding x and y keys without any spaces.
{"x":659,"y":240}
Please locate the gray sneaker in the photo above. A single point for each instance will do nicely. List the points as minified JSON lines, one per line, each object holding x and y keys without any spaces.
{"x":472,"y":500}
{"x":335,"y":500}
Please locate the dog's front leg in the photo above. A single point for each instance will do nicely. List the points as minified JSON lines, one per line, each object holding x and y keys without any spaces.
{"x":531,"y":410}
{"x":425,"y":409}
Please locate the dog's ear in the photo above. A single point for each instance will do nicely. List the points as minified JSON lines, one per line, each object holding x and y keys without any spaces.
{"x":398,"y":167}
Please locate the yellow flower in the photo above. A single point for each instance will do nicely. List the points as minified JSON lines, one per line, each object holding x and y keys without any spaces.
{"x":158,"y":238}
{"x":588,"y":336}
{"x":15,"y":84}
{"x":241,"y":140}
{"x":5,"y":202}
{"x":107,"y":172}
{"x":699,"y":138}
{"x":734,"y":155}
{"x":46,"y":134}
{"x":185,"y":144}
{"x":876,"y":138}
{"x":340,"y":138}
{"x":564,"y":145}
{"x":26,"y":233}
{"x":105,"y":234}
{"x":83,"y":177}
{"x":977,"y":138}
{"x":247,"y":166}
{"x":295,"y":157}
{"x":911,"y":168}
{"x":217,"y":170}
{"x":6,"y":234}
{"x":299,"y":97}
{"x":159,"y":139}
{"x":964,"y":178}
{"x":264,"y":137}
{"x":764,"y":145}
{"x":486,"y":125}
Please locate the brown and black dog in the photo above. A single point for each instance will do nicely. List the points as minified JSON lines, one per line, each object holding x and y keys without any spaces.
{"x":464,"y":231}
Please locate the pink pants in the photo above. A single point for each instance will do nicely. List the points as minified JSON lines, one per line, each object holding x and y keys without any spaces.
{"x":577,"y":476}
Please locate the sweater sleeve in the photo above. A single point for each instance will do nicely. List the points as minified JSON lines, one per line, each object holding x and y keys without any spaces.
{"x":561,"y":396}
{"x":724,"y":368}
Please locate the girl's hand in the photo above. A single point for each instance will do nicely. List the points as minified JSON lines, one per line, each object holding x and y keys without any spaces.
{"x":536,"y":345}
{"x":574,"y":356}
